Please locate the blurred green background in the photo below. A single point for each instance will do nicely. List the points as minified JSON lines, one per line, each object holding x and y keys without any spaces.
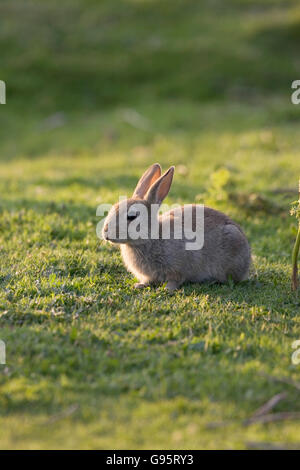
{"x":96,"y":92}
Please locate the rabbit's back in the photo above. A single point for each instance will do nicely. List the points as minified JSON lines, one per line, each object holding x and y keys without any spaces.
{"x":225,"y":252}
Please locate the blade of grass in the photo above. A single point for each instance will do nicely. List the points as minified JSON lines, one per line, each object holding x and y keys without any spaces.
{"x":295,"y":253}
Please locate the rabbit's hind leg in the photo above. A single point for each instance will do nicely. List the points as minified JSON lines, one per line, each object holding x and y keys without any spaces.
{"x":238,"y":254}
{"x":173,"y":285}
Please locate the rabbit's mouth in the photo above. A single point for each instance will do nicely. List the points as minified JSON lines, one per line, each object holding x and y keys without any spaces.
{"x":105,"y":234}
{"x":107,"y":239}
{"x":112,"y":240}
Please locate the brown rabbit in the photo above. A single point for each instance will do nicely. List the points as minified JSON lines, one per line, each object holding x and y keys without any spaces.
{"x":225,"y":252}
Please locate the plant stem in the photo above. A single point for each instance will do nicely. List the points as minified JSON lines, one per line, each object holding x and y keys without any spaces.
{"x":295,"y":255}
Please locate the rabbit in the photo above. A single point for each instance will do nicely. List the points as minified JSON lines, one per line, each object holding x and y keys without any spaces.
{"x":225,"y":253}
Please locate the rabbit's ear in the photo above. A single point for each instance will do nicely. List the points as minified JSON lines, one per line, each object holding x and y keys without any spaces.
{"x":159,"y":190}
{"x":148,"y":178}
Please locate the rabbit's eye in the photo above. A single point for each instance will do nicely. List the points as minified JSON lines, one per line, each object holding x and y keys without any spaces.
{"x":131,"y":216}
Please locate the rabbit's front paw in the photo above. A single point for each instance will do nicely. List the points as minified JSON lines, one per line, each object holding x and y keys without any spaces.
{"x":140,"y":285}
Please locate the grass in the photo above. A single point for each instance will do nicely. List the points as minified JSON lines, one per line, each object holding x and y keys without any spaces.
{"x":96,"y":92}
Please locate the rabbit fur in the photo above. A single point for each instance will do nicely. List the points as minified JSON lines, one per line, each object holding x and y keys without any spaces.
{"x":225,"y":252}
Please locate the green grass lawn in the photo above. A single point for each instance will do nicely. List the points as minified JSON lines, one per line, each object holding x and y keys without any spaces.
{"x":96,"y":92}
